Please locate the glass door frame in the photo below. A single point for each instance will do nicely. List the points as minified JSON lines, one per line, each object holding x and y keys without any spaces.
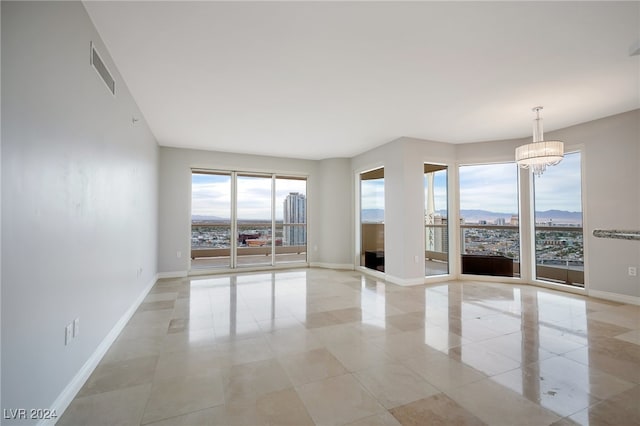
{"x":359,"y":249}
{"x":533,"y":228}
{"x":233,"y":261}
{"x":447,"y":227}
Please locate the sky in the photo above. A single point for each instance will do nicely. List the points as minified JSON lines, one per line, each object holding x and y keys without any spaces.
{"x":492,"y":187}
{"x":211,"y":196}
{"x":372,"y":194}
{"x":559,"y":186}
{"x":439,"y":190}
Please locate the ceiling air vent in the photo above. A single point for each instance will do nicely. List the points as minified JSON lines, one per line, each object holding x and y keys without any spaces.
{"x":101,"y":68}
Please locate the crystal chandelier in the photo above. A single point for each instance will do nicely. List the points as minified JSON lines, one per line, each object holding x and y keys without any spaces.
{"x":539,"y":154}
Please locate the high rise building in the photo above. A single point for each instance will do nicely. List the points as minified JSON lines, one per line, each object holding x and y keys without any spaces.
{"x":295,"y":212}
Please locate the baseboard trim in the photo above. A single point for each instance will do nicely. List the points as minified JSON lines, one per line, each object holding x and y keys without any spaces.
{"x":175,"y":274}
{"x":614,"y":297}
{"x":402,"y":281}
{"x":73,"y":387}
{"x":342,"y":266}
{"x":437,"y":279}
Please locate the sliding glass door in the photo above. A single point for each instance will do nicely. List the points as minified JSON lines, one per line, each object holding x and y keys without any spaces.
{"x":558,"y":222}
{"x":254,"y":212}
{"x":247,"y":219}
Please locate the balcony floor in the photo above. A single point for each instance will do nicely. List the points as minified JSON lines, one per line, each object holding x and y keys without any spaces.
{"x":246,"y":260}
{"x":316,"y":346}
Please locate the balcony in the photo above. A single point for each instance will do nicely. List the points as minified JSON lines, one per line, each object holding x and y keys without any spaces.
{"x":559,"y":250}
{"x":436,"y":253}
{"x":211,"y":244}
{"x":498,"y":242}
{"x":560,"y":254}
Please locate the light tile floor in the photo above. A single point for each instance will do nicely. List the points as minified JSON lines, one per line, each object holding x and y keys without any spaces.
{"x":325,"y":347}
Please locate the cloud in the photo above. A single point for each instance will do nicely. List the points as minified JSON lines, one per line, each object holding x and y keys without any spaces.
{"x":559,"y":187}
{"x":211,"y":196}
{"x":372,"y":194}
{"x":492,"y":187}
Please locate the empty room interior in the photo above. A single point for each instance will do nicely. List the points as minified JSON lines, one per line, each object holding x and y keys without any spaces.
{"x":320,"y":213}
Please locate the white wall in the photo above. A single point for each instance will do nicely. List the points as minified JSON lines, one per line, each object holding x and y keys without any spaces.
{"x":175,"y":202}
{"x":79,"y":200}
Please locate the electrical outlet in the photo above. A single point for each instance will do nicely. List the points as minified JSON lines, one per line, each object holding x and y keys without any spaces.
{"x":416,"y":259}
{"x":76,"y":327}
{"x":178,"y":254}
{"x":68,"y":334}
{"x":633,"y":271}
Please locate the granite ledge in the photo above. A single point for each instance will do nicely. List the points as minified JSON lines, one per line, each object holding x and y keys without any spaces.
{"x":617,"y":234}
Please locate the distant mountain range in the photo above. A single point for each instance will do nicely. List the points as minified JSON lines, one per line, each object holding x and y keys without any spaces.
{"x":470,"y":216}
{"x":474,"y":216}
{"x":557,"y":216}
{"x":372,"y":215}
{"x":201,"y":218}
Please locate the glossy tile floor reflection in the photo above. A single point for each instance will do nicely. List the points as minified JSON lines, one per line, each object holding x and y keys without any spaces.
{"x":326,"y":347}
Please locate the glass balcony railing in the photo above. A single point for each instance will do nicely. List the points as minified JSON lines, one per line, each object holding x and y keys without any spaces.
{"x":560,"y":254}
{"x":490,"y":250}
{"x":211,"y":243}
{"x":494,"y":249}
{"x":436,"y":249}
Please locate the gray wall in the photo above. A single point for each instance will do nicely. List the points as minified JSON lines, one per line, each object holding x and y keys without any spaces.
{"x":403,"y":160}
{"x":81,"y":215}
{"x":610,"y":149}
{"x":611,"y":177}
{"x":334,"y":213}
{"x":329,"y":218}
{"x":79,"y":200}
{"x":0,"y":211}
{"x":611,"y":182}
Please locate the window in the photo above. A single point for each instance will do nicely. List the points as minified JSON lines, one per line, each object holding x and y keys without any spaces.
{"x":291,"y":219}
{"x":211,"y":220}
{"x":436,"y":220}
{"x":558,"y":223}
{"x":489,"y":220}
{"x":372,"y":219}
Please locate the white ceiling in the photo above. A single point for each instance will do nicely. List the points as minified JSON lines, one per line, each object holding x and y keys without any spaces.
{"x":334,"y":79}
